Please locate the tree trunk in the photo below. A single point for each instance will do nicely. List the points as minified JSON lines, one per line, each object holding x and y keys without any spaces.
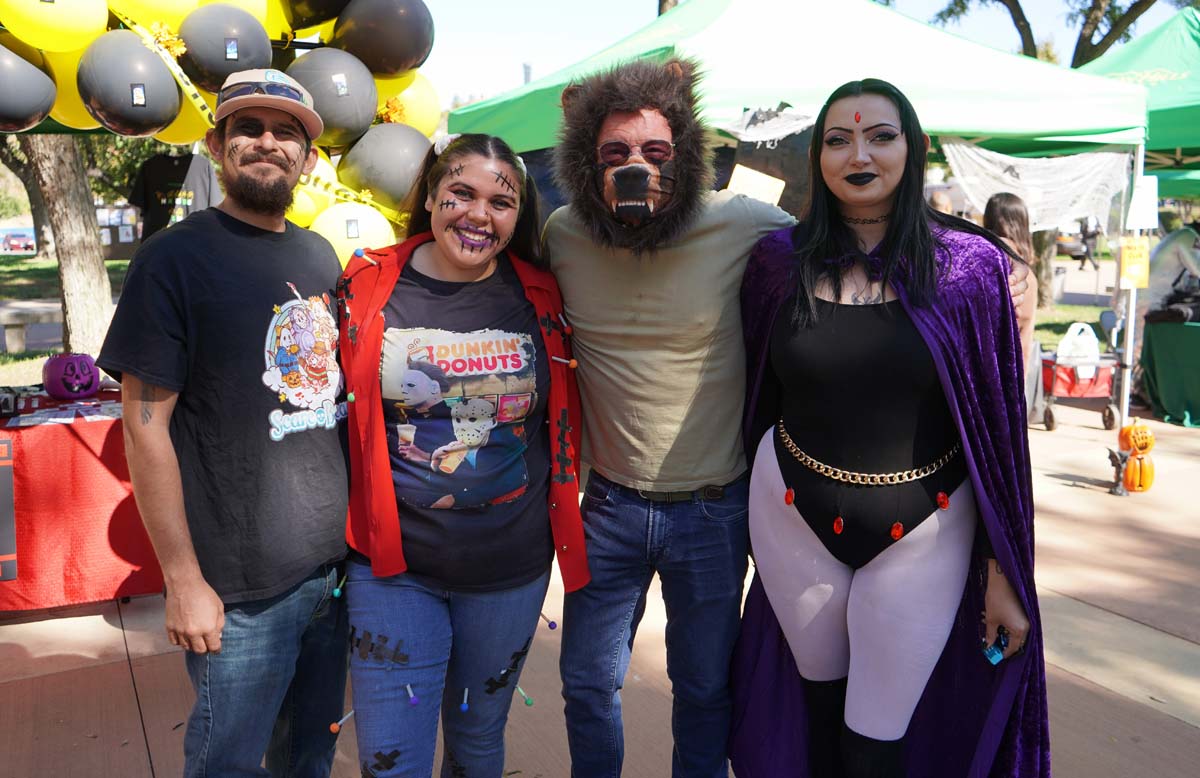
{"x":12,"y":160}
{"x":87,"y":294}
{"x":42,"y":232}
{"x":1045,"y":247}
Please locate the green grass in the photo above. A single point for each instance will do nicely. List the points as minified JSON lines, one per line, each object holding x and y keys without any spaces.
{"x":1051,"y":324}
{"x":22,"y":368}
{"x":24,"y":278}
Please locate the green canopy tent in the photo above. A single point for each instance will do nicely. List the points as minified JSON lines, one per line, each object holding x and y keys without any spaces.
{"x":757,"y":53}
{"x":1166,"y":61}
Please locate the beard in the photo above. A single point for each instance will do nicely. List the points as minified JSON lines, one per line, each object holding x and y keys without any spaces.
{"x":270,"y":197}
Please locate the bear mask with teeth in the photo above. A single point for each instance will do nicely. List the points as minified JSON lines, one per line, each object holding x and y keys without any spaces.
{"x":646,"y":197}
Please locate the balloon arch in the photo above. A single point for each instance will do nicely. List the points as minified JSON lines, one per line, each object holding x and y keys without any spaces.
{"x":151,"y":68}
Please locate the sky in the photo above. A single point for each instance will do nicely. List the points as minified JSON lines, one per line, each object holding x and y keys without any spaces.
{"x":481,"y":46}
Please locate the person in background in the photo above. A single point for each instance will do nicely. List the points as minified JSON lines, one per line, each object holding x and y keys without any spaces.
{"x":940,"y":201}
{"x":1006,"y":216}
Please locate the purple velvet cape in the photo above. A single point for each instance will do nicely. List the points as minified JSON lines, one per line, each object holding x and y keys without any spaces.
{"x":974,"y":719}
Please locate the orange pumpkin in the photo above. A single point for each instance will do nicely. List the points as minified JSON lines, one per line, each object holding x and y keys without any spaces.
{"x":1139,"y":473}
{"x":1136,"y":438}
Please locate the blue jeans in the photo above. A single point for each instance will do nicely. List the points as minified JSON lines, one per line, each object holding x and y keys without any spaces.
{"x":698,"y":549}
{"x":275,"y":687}
{"x":408,"y":635}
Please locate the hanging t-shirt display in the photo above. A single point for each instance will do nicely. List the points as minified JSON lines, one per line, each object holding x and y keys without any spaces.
{"x":464,"y":382}
{"x":169,"y":188}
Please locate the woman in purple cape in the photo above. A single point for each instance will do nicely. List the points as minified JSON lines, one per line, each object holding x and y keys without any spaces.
{"x":892,"y":628}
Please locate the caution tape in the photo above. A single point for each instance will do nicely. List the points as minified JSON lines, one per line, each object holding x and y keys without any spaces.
{"x":185,"y":84}
{"x":340,"y":191}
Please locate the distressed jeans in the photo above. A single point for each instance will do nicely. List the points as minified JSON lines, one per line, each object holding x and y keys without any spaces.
{"x":414,"y":650}
{"x":699,"y":550}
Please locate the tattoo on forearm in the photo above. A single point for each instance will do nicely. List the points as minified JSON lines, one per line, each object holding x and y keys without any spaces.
{"x":147,"y":399}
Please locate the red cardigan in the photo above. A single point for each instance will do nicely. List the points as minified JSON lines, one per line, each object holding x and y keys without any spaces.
{"x":373,"y":526}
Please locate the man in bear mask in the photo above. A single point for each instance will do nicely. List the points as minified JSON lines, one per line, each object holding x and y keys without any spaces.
{"x":650,"y":263}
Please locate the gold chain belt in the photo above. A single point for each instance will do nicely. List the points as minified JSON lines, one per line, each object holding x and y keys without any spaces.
{"x":863,"y":479}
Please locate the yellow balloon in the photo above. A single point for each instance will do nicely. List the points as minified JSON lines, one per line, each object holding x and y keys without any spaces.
{"x":350,"y":226}
{"x":322,"y":180}
{"x":417,"y":106}
{"x":63,"y":25}
{"x":387,"y":87}
{"x":304,"y":207}
{"x":146,"y":12}
{"x":189,"y":126}
{"x":68,"y":107}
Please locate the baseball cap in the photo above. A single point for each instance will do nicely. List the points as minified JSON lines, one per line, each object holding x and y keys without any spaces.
{"x":269,"y":88}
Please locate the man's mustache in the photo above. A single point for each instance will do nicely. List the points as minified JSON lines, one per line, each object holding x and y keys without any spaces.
{"x":281,"y":163}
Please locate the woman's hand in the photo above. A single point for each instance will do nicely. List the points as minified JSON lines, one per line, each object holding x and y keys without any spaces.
{"x":1018,"y":283}
{"x":1002,"y":608}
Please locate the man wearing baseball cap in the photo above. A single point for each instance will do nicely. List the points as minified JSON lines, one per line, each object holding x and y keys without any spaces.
{"x":225,"y":342}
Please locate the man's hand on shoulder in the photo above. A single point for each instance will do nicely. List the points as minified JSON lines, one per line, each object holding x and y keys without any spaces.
{"x":195,"y":616}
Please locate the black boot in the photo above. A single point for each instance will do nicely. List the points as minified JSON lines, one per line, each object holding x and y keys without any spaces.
{"x":866,"y":757}
{"x":826,"y":704}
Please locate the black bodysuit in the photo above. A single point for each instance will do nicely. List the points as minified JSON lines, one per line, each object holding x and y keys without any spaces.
{"x":861,"y":393}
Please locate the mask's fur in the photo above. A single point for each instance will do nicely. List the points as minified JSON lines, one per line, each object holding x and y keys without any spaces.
{"x":668,"y":87}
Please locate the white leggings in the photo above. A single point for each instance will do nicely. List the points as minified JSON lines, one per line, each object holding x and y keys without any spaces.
{"x":882,"y":626}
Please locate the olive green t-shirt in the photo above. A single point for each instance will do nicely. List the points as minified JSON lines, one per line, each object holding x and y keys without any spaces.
{"x":662,"y":365}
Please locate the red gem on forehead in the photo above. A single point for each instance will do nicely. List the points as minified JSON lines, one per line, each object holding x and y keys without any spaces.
{"x":857,"y":117}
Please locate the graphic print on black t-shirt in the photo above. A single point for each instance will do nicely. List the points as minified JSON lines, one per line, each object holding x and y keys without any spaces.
{"x":301,"y":364}
{"x":458,"y":402}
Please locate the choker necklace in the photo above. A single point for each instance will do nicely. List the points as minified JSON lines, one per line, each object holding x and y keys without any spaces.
{"x":872,"y":220}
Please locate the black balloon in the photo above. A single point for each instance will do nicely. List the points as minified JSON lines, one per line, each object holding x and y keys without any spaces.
{"x":309,"y":13}
{"x":386,"y":161}
{"x":125,"y":86}
{"x":389,"y":36}
{"x":343,"y":93}
{"x":222,"y":39}
{"x":28,"y":93}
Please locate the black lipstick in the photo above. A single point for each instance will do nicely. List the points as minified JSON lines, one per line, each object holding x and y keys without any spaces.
{"x":861,"y":179}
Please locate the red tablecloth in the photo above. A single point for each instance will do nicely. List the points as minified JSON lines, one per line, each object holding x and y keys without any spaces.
{"x":78,"y":534}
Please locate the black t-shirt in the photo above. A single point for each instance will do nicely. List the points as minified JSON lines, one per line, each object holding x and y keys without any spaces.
{"x":168,"y":189}
{"x":239,"y":321}
{"x":465,"y":378}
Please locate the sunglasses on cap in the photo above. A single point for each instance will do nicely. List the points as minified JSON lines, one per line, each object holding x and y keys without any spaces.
{"x":617,"y":152}
{"x":260,"y":88}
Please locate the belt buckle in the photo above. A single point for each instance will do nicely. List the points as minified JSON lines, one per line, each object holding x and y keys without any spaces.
{"x":711,"y":492}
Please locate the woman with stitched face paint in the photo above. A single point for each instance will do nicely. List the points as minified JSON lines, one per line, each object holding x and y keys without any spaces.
{"x":463,"y":417}
{"x":890,"y":506}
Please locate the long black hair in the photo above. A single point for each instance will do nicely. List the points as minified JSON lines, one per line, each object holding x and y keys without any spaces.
{"x":909,"y":244}
{"x":525,"y":242}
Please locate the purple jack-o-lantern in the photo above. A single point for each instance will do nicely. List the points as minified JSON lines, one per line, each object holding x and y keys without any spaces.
{"x":70,"y":376}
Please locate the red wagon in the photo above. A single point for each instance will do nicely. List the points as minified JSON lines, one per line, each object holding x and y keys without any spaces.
{"x":1063,"y":380}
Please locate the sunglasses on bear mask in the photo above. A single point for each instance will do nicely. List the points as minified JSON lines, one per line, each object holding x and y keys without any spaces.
{"x":616,"y":152}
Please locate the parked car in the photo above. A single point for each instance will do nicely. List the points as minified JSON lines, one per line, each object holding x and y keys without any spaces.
{"x":19,"y":241}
